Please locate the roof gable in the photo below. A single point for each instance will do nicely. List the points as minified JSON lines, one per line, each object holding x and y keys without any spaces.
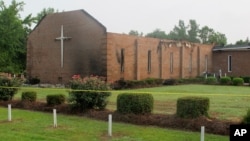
{"x":81,"y":10}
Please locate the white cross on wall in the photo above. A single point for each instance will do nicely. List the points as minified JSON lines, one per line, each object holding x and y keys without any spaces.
{"x":62,"y":38}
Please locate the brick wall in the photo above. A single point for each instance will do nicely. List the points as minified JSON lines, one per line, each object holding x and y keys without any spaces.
{"x":239,"y":62}
{"x":188,"y":59}
{"x":84,"y":54}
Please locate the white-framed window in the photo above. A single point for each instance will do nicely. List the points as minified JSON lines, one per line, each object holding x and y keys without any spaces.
{"x":229,"y":63}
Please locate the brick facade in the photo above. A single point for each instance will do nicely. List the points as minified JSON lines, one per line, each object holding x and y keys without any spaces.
{"x":239,"y":62}
{"x":91,"y":50}
{"x":84,"y":53}
{"x":168,"y":59}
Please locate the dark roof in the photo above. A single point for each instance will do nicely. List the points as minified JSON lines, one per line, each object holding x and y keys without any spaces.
{"x":232,"y":47}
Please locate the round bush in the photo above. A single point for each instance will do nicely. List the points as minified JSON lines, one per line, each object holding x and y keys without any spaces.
{"x":29,"y":96}
{"x":211,"y":80}
{"x":135,"y":103}
{"x":246,"y":118}
{"x":9,"y":88}
{"x":192,"y":107}
{"x":238,"y":81}
{"x":56,"y":99}
{"x":89,"y":93}
{"x":225,"y":80}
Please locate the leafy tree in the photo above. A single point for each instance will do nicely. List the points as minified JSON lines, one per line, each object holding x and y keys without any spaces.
{"x":179,"y":32}
{"x":190,"y":32}
{"x":157,"y":33}
{"x":204,"y":34}
{"x":241,"y":42}
{"x":218,"y":39}
{"x":193,"y":31}
{"x":44,"y":12}
{"x":13,"y":31}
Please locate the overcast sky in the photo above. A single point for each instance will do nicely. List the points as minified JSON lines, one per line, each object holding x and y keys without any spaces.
{"x":231,"y":17}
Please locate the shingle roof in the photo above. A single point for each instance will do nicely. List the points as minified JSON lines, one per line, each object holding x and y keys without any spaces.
{"x":232,"y":47}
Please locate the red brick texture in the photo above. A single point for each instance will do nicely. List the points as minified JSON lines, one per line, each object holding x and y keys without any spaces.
{"x":189,"y":59}
{"x":84,"y":54}
{"x":93,"y":51}
{"x":240,"y":62}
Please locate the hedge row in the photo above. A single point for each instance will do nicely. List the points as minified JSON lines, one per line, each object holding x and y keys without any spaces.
{"x":126,"y":84}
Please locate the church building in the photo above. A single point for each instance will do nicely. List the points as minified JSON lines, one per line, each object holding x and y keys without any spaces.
{"x":68,"y":43}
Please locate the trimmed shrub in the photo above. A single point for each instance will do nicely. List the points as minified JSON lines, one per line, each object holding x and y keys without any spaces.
{"x":246,"y":79}
{"x":246,"y":118}
{"x":192,"y":107}
{"x":128,"y":84}
{"x":135,"y":103}
{"x":238,"y":81}
{"x":89,"y":93}
{"x":29,"y":96}
{"x":225,"y":80}
{"x":169,"y":82}
{"x":8,"y":88}
{"x":211,"y":80}
{"x":55,"y":99}
{"x":34,"y":81}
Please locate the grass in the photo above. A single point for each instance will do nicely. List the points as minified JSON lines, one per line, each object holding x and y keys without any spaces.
{"x":226,"y":102}
{"x":30,"y":126}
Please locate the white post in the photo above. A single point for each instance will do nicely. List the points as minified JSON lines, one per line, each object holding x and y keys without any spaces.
{"x":225,"y":74}
{"x":214,"y":75}
{"x":9,"y":112}
{"x":202,"y":133}
{"x":206,"y":76}
{"x":55,"y":118}
{"x":110,"y":125}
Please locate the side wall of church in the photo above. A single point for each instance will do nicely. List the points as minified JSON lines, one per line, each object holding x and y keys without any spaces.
{"x":84,"y":54}
{"x":136,"y":58}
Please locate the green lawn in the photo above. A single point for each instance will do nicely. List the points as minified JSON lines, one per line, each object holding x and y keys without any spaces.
{"x":226,"y":102}
{"x":37,"y":126}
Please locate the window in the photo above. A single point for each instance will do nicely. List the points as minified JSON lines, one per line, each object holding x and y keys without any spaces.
{"x":149,"y":61}
{"x":190,"y":62}
{"x":171,"y":62}
{"x":229,"y":63}
{"x":206,"y":63}
{"x":122,"y":60}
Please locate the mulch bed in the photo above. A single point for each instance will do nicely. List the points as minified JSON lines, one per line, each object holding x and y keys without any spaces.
{"x":212,"y":125}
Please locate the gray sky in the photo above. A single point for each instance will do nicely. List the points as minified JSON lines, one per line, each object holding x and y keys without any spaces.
{"x":231,"y":17}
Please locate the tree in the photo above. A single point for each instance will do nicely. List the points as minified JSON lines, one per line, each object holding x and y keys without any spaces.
{"x":157,"y":33}
{"x":179,"y":32}
{"x":241,"y":42}
{"x":135,"y":33}
{"x":204,"y":34}
{"x":193,"y":31}
{"x":13,"y":31}
{"x":218,"y":38}
{"x":44,"y":12}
